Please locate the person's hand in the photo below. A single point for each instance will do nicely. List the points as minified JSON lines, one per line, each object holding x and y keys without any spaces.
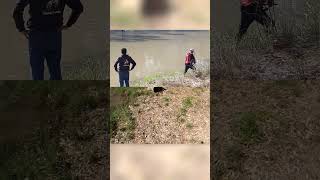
{"x":25,"y":33}
{"x":64,"y":27}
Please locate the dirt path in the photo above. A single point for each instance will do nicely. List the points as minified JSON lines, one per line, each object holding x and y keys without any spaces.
{"x":178,"y":115}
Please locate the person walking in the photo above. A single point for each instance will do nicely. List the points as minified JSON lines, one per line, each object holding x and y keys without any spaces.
{"x":122,"y":66}
{"x":254,"y":10}
{"x":190,"y":61}
{"x":44,"y":32}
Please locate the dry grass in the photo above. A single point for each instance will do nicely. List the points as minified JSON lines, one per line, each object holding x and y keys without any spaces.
{"x":53,"y":130}
{"x":289,"y":53}
{"x":178,"y":115}
{"x":266,"y":129}
{"x":198,"y":78}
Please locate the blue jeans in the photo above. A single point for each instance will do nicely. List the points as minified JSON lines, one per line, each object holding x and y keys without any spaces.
{"x":45,"y":46}
{"x":124,"y":78}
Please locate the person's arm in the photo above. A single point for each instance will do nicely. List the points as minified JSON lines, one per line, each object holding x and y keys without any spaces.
{"x":133,"y":63}
{"x":194,"y":60}
{"x":18,"y":15}
{"x":116,"y":65}
{"x":77,"y":9}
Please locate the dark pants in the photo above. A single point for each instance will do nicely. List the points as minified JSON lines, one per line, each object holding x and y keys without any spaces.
{"x":188,"y":66}
{"x":124,"y":78}
{"x":45,"y":46}
{"x":252,"y":13}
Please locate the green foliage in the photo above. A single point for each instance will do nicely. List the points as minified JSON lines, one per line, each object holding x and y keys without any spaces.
{"x":121,"y":120}
{"x":189,"y":125}
{"x":186,"y":104}
{"x":122,"y":123}
{"x":247,"y":127}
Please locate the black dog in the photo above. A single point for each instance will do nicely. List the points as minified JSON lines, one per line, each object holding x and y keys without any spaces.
{"x":158,"y":89}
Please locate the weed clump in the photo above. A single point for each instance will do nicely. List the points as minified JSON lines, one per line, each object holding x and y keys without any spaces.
{"x":187,"y":103}
{"x":247,"y":128}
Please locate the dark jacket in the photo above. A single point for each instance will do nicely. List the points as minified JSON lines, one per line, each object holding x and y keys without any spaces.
{"x":46,"y":15}
{"x":124,"y":63}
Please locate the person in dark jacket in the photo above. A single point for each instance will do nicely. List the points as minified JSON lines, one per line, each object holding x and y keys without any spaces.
{"x":190,"y":61}
{"x":122,"y":66}
{"x":44,"y":32}
{"x":253,"y":10}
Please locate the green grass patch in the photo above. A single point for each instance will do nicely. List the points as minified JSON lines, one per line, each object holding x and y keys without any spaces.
{"x":189,"y":125}
{"x":34,"y":159}
{"x":122,"y":122}
{"x":186,"y":104}
{"x":37,"y":155}
{"x":247,"y":128}
{"x":166,"y":99}
{"x":129,"y":94}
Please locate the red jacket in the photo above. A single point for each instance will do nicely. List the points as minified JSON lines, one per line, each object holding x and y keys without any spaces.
{"x":190,"y":59}
{"x":246,"y":2}
{"x":249,"y":2}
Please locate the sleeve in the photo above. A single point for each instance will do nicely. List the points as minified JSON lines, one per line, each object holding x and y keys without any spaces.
{"x":18,"y":14}
{"x":77,"y":9}
{"x":133,"y":63}
{"x":186,"y":60}
{"x":116,"y":65}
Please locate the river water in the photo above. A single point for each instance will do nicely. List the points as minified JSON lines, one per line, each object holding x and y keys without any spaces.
{"x":157,"y":51}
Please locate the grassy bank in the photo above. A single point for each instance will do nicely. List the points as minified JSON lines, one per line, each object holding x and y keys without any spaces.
{"x":198,"y":78}
{"x":53,"y":130}
{"x":288,"y":53}
{"x":265,"y":129}
{"x":140,"y":116}
{"x":89,"y":68}
{"x":122,"y":122}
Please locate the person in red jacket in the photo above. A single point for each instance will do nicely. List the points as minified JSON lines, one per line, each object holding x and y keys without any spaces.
{"x":253,"y":10}
{"x":190,"y":61}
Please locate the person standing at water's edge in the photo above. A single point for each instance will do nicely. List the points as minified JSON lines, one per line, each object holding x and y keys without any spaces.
{"x":124,"y":67}
{"x":44,"y":32}
{"x":190,"y":61}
